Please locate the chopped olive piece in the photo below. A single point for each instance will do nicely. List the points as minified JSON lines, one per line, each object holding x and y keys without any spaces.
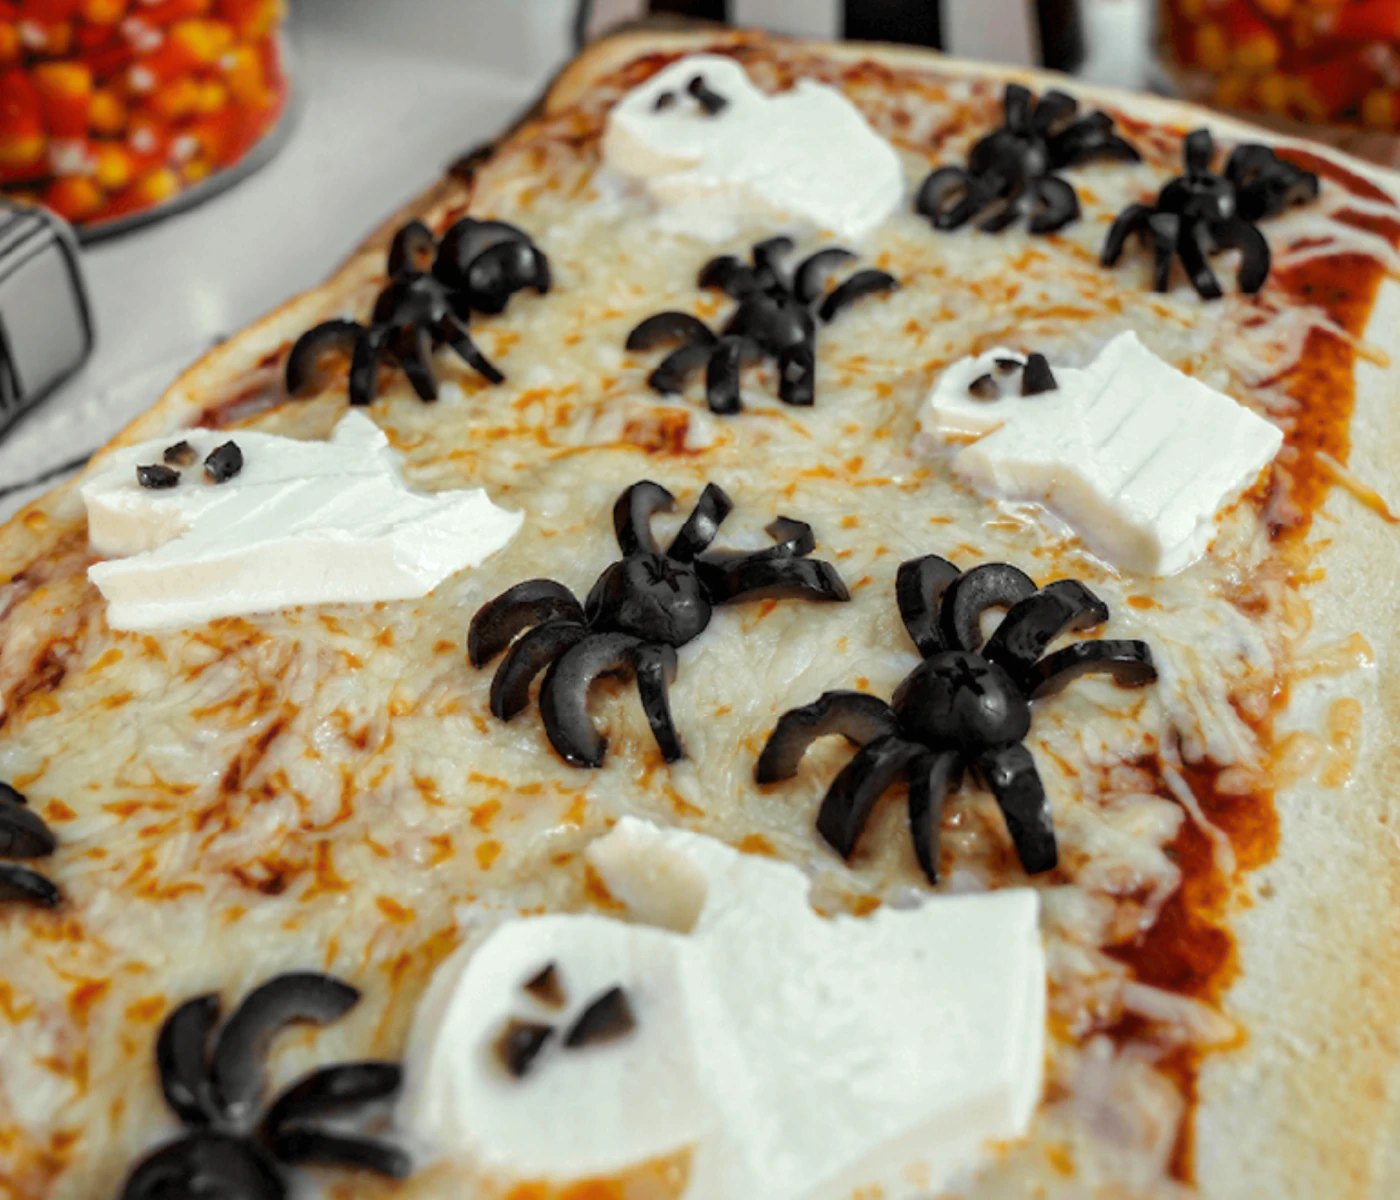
{"x":664,"y":101}
{"x":520,"y":1044}
{"x":181,"y":454}
{"x":1037,"y":377}
{"x":157,"y":477}
{"x":546,"y":986}
{"x":710,"y":100}
{"x":223,"y":463}
{"x":606,"y":1019}
{"x":984,"y":387}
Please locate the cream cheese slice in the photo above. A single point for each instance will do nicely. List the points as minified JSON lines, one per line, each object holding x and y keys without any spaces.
{"x":303,"y":522}
{"x":806,"y":155}
{"x":793,"y":1056}
{"x":1138,"y":457}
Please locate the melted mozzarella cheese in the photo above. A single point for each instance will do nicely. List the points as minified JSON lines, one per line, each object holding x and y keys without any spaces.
{"x":805,"y":155}
{"x":1138,"y":457}
{"x":301,"y":523}
{"x":797,"y":1056}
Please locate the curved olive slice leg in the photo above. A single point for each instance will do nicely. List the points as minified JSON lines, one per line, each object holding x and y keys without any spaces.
{"x":667,"y":328}
{"x":851,"y":798}
{"x":496,"y":274}
{"x":768,"y":256}
{"x":527,"y":657}
{"x":919,"y":589}
{"x":20,"y":885}
{"x":797,"y":375}
{"x":1090,"y":137}
{"x":206,"y":1164}
{"x":810,"y":279}
{"x":1056,"y":205}
{"x":242,"y":1044}
{"x":364,"y":365}
{"x":671,"y":375}
{"x":1198,"y":150}
{"x":992,"y":585}
{"x":863,"y":283}
{"x":930,"y":778}
{"x":1239,"y":234}
{"x":1192,"y":253}
{"x":1013,"y":779}
{"x":304,"y":370}
{"x":1132,"y":220}
{"x":530,"y":603}
{"x":414,"y":351}
{"x":298,"y":1146}
{"x":1163,"y":231}
{"x":773,"y":578}
{"x":947,"y":199}
{"x":722,"y":372}
{"x":633,"y":512}
{"x":182,"y":1059}
{"x":1016,"y":103}
{"x":792,"y":539}
{"x":412,"y":251}
{"x":332,"y":1090}
{"x":655,"y":664}
{"x":856,"y":716}
{"x":564,"y":695}
{"x":453,"y":334}
{"x":702,"y":526}
{"x":465,"y":241}
{"x":729,"y":275}
{"x":1038,"y":620}
{"x":1128,"y":662}
{"x":1052,"y":112}
{"x":23,"y":833}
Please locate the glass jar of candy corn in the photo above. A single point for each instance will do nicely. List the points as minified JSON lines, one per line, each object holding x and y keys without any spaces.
{"x":1315,"y":62}
{"x":114,"y":110}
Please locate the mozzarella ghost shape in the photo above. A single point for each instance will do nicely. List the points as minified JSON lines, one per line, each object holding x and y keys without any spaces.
{"x":302,"y":522}
{"x":1138,"y":457}
{"x":805,"y":155}
{"x":793,"y":1056}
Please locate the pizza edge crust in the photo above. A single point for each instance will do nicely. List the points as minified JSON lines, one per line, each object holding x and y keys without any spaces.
{"x":1310,"y":1105}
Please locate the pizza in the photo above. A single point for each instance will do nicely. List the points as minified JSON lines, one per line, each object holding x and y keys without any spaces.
{"x":813,"y":621}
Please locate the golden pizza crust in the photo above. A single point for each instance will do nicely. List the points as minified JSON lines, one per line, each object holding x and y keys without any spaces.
{"x":1308,"y":1108}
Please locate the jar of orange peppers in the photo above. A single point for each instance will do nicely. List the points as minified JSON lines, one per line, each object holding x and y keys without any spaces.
{"x":114,"y":110}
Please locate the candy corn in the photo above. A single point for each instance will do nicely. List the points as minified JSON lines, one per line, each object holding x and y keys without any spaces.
{"x":109,"y":106}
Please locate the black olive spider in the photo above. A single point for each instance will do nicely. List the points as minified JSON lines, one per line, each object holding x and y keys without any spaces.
{"x":1010,"y":173}
{"x":214,"y":1082}
{"x":433,"y":290}
{"x":966,"y":705}
{"x":642,"y":609}
{"x":1200,"y":212}
{"x":776,"y":319}
{"x":24,"y":835}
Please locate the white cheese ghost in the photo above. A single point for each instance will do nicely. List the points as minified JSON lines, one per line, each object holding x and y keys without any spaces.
{"x":794,"y":1056}
{"x":1139,"y":458}
{"x":302,"y":522}
{"x":806,"y":155}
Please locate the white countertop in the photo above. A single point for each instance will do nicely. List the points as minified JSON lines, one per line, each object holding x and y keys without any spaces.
{"x":392,"y":92}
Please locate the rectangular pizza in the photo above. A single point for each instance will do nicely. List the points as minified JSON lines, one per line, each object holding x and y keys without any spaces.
{"x":813,"y":622}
